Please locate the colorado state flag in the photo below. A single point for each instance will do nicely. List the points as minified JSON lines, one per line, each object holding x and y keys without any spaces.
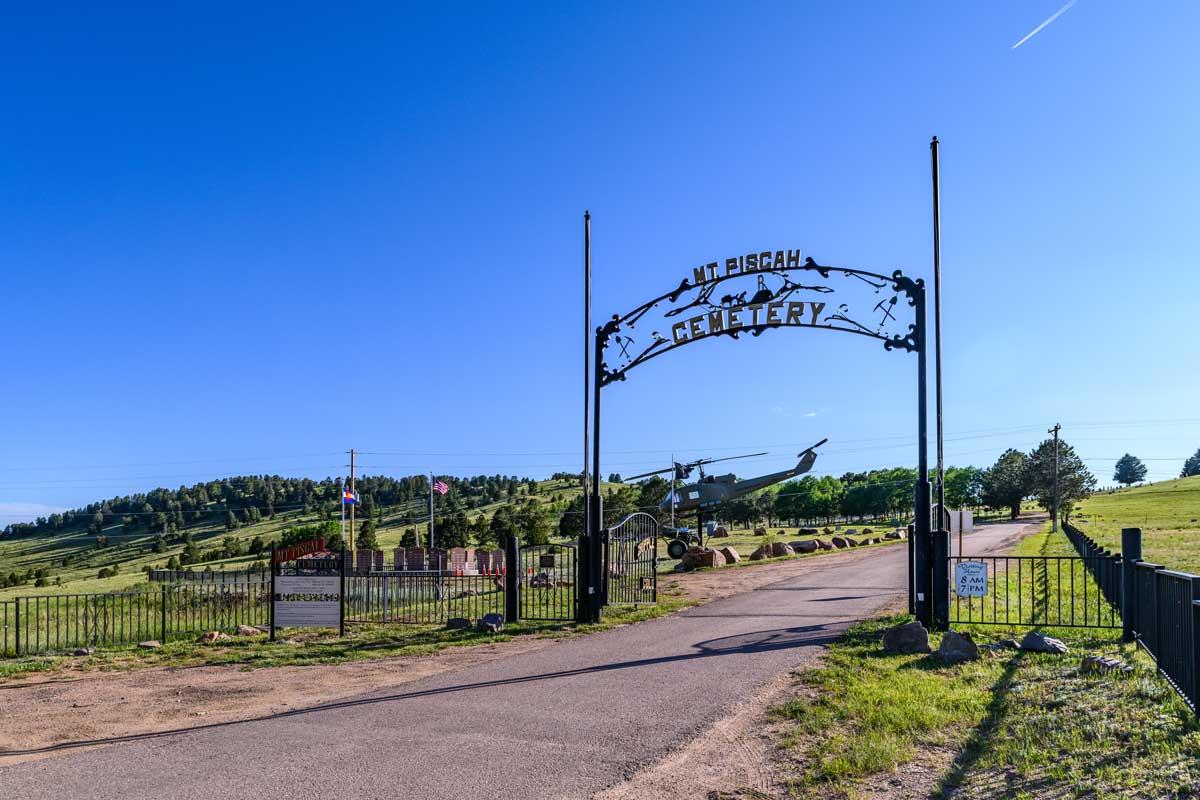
{"x":349,"y":498}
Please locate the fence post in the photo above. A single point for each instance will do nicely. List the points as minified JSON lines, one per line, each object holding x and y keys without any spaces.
{"x":1194,"y":651}
{"x":512,"y":552}
{"x":17,"y":622}
{"x":941,"y":579}
{"x":163,"y":637}
{"x":1131,"y":553}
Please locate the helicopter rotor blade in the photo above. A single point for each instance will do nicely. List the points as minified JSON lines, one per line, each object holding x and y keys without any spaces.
{"x":727,"y":458}
{"x":648,"y":474}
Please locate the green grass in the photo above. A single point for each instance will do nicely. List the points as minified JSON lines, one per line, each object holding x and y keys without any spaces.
{"x":1168,"y":513}
{"x":1023,"y":725}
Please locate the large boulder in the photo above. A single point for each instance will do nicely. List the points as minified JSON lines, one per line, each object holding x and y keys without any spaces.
{"x":1036,"y":642}
{"x":839,"y":542}
{"x":828,"y":531}
{"x":911,"y":637}
{"x":867,"y":531}
{"x":809,"y":532}
{"x":780,"y":549}
{"x":850,"y":542}
{"x":491,"y":623}
{"x":249,"y":630}
{"x":698,"y":557}
{"x":823,"y":545}
{"x":212,"y":637}
{"x":150,"y":644}
{"x":731,"y":556}
{"x":761,"y":552}
{"x":893,"y":535}
{"x":760,"y":531}
{"x":781,"y":534}
{"x":806,"y":546}
{"x":957,"y":647}
{"x":720,"y":532}
{"x":458,"y":623}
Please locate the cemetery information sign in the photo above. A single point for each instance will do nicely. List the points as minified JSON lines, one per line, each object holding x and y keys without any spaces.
{"x":308,"y":601}
{"x":970,"y":579}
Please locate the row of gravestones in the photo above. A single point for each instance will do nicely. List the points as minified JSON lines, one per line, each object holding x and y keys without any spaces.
{"x":458,"y":560}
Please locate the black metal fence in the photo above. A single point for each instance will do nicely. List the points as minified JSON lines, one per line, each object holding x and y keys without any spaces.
{"x":1051,"y":591}
{"x":1160,"y":608}
{"x":63,"y":622}
{"x":209,"y":576}
{"x":421,"y":598}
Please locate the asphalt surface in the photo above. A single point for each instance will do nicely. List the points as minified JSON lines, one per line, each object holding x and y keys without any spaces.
{"x":562,"y":722}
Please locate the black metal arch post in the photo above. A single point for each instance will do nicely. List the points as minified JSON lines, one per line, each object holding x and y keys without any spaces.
{"x":924,"y":588}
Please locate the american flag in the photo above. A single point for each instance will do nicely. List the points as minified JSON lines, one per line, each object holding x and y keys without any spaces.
{"x":440,"y":487}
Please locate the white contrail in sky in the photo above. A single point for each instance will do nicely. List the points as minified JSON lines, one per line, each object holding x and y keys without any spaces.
{"x":1036,"y":30}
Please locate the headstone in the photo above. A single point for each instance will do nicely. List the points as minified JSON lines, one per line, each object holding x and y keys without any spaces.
{"x":497,"y":561}
{"x":911,"y":637}
{"x":363,"y":560}
{"x":414,"y":558}
{"x":1102,"y":665}
{"x":852,"y":531}
{"x":731,"y":556}
{"x":483,"y":561}
{"x":957,"y":647}
{"x":458,"y":559}
{"x":437,"y":559}
{"x":378,"y":560}
{"x":398,"y":561}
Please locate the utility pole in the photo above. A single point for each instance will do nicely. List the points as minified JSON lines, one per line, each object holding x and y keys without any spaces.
{"x":937,"y":330}
{"x":1057,"y":427}
{"x":350,"y":540}
{"x":587,"y":368}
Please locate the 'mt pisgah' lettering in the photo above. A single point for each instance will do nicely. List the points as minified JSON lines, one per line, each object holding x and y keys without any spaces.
{"x":751,"y":262}
{"x":751,"y":315}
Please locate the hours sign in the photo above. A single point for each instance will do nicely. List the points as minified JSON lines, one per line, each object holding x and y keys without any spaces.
{"x":970,"y":579}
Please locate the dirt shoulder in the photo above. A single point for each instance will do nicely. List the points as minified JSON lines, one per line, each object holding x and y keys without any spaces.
{"x":44,"y":714}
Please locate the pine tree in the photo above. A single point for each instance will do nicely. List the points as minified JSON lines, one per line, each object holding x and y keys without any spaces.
{"x":1129,"y":470}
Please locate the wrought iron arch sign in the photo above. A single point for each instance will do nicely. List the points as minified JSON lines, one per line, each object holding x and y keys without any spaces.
{"x":788,"y":292}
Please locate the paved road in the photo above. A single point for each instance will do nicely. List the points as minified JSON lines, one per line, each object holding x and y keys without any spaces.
{"x":563,"y":722}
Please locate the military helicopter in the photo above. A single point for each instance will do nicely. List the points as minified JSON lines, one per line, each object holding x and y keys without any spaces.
{"x":713,"y":489}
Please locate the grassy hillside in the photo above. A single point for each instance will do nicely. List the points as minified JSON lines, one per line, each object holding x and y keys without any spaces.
{"x":71,"y":556}
{"x":1168,"y":513}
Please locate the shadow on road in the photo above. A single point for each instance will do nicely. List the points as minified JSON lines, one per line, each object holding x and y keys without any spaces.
{"x":743,"y":644}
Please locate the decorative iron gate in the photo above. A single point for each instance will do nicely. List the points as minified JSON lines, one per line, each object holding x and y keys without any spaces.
{"x":631,"y":561}
{"x":546,"y":582}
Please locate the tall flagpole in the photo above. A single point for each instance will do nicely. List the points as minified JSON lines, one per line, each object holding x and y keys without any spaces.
{"x":430,"y":510}
{"x":342,"y":504}
{"x":937,"y":333}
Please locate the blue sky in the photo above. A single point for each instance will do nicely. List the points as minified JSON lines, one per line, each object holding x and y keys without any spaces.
{"x":243,"y":242}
